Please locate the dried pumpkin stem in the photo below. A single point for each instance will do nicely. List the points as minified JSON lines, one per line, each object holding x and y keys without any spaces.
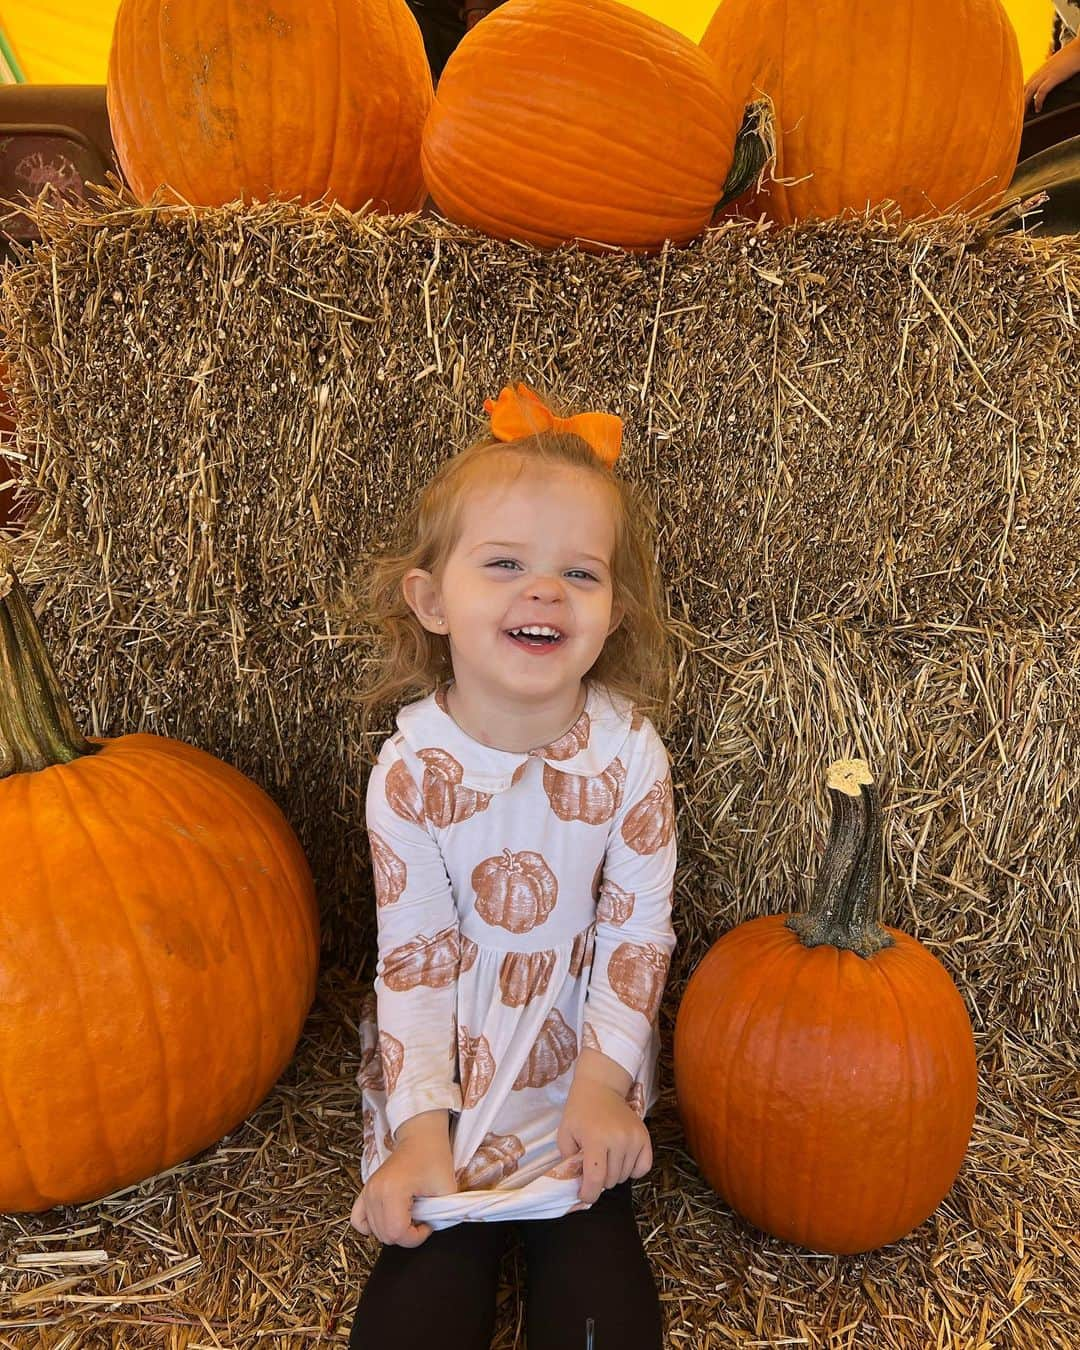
{"x":846,"y":909}
{"x":36,"y":725}
{"x":755,"y":148}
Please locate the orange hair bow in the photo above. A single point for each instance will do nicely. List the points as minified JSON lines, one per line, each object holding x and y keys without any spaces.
{"x":519,"y":412}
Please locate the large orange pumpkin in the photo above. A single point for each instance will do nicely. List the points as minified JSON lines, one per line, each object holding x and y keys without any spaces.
{"x":918,"y":101}
{"x":824,"y":1065}
{"x":557,"y":120}
{"x":290,"y":99}
{"x":158,"y":942}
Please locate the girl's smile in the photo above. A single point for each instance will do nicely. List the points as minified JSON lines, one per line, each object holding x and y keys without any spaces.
{"x":538,"y":639}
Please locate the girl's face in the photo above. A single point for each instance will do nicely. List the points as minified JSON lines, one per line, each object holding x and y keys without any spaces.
{"x":534,"y":552}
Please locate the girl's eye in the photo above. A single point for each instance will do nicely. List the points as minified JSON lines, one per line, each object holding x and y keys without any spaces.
{"x":575,"y":571}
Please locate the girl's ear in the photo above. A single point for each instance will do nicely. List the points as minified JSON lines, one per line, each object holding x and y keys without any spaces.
{"x":618,"y":613}
{"x":423,"y":598}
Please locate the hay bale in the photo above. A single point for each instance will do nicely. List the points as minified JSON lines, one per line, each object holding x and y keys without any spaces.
{"x":862,"y":438}
{"x":871,"y":549}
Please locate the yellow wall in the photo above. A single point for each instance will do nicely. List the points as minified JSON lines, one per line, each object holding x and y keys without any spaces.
{"x":60,"y":41}
{"x":67,"y":41}
{"x":1032,"y":19}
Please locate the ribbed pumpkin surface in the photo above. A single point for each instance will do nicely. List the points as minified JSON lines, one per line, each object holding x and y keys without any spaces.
{"x":564,"y":119}
{"x":827,"y":1097}
{"x":295,"y":98}
{"x":920,"y":101}
{"x":158,"y":954}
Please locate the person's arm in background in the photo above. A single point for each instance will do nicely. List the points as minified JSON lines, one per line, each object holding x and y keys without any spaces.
{"x":1054,"y":71}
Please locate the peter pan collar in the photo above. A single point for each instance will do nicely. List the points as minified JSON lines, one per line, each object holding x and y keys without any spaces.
{"x":590,"y":745}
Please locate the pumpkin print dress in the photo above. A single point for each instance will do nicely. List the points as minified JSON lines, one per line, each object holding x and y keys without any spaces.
{"x":524,"y":911}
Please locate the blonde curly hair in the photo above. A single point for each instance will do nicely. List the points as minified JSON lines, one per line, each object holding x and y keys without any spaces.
{"x":637,"y":659}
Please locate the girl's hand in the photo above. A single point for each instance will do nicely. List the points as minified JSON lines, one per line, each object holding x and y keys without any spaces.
{"x":1051,"y":73}
{"x":613,"y":1140}
{"x":421,"y":1164}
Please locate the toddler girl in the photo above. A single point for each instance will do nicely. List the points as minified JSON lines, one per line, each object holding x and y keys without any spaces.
{"x":523,"y":840}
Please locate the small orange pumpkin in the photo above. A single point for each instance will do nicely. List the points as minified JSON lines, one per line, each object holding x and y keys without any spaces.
{"x":824,"y":1065}
{"x":160,"y":941}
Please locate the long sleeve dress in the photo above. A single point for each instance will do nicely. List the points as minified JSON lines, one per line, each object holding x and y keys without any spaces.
{"x":524,"y":911}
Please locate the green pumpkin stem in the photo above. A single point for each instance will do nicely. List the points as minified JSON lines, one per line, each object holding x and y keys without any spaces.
{"x":846,"y":908}
{"x":755,"y":147}
{"x":36,"y":725}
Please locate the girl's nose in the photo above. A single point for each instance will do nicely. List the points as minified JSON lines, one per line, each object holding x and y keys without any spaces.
{"x":545,"y":588}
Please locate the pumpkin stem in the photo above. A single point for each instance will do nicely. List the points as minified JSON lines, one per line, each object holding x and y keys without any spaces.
{"x":36,"y":725}
{"x":755,"y":147}
{"x":846,"y":908}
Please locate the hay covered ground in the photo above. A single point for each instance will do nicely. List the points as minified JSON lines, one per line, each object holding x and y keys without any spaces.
{"x":248,"y":1245}
{"x":863,"y":442}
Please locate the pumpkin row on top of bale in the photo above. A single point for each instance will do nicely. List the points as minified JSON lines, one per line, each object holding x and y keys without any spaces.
{"x":561,"y":120}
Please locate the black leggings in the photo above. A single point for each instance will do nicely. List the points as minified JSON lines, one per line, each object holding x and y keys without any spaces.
{"x":590,"y":1264}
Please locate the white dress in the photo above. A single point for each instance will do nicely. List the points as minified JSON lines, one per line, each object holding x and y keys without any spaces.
{"x":524,"y":911}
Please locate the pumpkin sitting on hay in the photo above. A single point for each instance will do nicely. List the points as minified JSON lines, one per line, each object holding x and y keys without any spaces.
{"x":824,"y":1064}
{"x":158,"y":942}
{"x":290,"y":99}
{"x":919,"y":102}
{"x":557,"y":120}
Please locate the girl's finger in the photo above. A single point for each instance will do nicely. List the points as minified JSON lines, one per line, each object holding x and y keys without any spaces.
{"x":376,"y":1219}
{"x":359,"y":1216}
{"x":616,"y":1160}
{"x":644,"y":1160}
{"x":568,"y":1145}
{"x":593,"y":1174}
{"x":418,"y":1233}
